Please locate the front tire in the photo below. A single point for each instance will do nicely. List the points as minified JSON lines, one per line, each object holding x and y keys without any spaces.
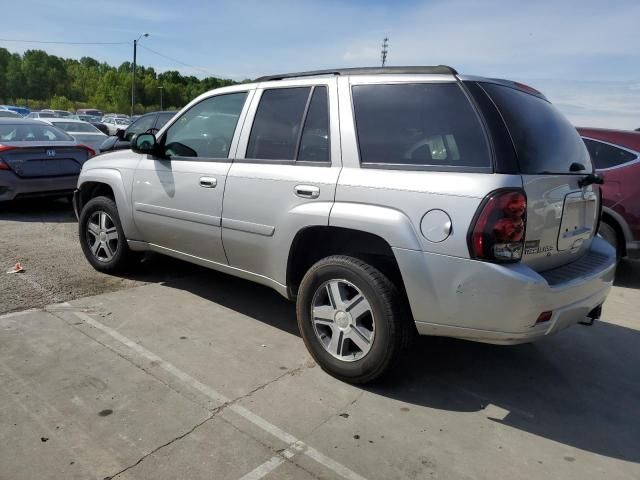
{"x":102,"y":238}
{"x":352,"y":319}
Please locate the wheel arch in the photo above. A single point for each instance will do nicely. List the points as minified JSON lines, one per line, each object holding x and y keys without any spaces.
{"x":108,"y":182}
{"x":619,"y":224}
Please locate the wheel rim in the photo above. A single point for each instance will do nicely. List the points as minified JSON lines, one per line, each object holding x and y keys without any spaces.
{"x":343,"y":320}
{"x":102,"y":236}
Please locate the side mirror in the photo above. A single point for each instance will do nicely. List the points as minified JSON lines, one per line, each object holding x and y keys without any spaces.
{"x":145,"y":143}
{"x":120,"y":134}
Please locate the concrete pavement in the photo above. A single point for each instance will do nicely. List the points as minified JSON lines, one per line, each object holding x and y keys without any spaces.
{"x":206,"y":377}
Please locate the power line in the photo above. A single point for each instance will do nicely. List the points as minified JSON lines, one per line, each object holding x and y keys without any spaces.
{"x":177,"y":61}
{"x":62,"y":43}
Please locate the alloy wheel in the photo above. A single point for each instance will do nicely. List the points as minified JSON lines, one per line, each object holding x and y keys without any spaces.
{"x":102,"y":236}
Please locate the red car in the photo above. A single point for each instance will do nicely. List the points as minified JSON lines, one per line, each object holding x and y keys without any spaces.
{"x":616,"y":156}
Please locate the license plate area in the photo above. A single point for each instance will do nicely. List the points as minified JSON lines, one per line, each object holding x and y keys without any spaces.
{"x":578,"y":220}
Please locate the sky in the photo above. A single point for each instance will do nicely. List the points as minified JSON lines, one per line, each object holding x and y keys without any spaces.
{"x":584,"y":55}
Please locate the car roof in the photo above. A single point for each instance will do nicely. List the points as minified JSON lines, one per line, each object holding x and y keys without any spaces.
{"x":625,"y":138}
{"x":19,"y":121}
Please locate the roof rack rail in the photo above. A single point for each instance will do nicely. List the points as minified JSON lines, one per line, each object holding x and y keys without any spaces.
{"x":437,"y":69}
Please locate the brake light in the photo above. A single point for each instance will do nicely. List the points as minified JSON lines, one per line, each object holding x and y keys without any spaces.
{"x":497,"y":234}
{"x":4,"y":148}
{"x":90,"y":151}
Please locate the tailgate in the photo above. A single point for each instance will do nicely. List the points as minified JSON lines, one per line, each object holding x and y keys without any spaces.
{"x":43,"y":161}
{"x":561,"y":219}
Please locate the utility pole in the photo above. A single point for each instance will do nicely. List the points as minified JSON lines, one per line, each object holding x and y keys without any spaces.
{"x":384,"y":51}
{"x":133,"y":73}
{"x":161,"y":88}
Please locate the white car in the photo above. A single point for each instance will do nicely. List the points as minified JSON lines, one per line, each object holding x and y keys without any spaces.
{"x":114,"y":124}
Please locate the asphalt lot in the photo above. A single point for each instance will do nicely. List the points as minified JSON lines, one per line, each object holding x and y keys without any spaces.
{"x":179,"y":372}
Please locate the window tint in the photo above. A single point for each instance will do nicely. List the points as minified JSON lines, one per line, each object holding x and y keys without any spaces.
{"x":607,"y":156}
{"x":276,"y":127}
{"x":206,"y":129}
{"x":314,"y":144}
{"x":544,"y":140}
{"x":418,"y":124}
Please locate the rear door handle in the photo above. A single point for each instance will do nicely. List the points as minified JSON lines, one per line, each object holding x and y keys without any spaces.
{"x":307,"y":191}
{"x":208,"y":182}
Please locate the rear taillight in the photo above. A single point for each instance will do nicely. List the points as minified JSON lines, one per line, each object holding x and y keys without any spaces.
{"x":90,"y":151}
{"x":4,"y":148}
{"x":497,"y":234}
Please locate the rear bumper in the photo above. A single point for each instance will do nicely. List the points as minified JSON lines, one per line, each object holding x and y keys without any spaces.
{"x":12,"y":186}
{"x":500,"y":304}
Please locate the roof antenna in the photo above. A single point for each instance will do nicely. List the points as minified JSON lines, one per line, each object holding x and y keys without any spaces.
{"x":384,"y":51}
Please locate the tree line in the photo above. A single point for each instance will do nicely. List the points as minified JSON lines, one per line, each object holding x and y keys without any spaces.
{"x":39,"y":80}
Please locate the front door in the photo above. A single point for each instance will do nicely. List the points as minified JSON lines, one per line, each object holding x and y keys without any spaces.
{"x":285,"y":174}
{"x":177,"y":198}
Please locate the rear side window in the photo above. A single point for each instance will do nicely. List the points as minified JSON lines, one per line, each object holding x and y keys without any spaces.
{"x":544,"y":140}
{"x":429,"y":125}
{"x":607,"y":156}
{"x":314,"y":144}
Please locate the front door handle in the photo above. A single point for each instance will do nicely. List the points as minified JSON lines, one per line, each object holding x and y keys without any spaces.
{"x":208,"y":182}
{"x":307,"y":191}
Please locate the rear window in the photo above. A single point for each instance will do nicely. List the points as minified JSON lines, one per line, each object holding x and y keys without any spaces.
{"x":544,"y":140}
{"x":76,"y":127}
{"x":31,"y":133}
{"x":429,"y":125}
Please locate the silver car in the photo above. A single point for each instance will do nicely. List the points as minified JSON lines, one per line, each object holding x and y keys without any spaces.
{"x":83,"y":132}
{"x":37,"y":159}
{"x":385,"y":202}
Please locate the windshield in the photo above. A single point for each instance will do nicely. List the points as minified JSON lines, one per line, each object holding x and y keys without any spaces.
{"x":544,"y":140}
{"x":122,"y":121}
{"x":76,"y":127}
{"x":32,"y":133}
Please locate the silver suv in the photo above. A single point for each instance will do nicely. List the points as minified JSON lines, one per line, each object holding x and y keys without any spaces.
{"x":384,"y":201}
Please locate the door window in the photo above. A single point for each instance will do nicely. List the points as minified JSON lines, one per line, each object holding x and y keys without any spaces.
{"x":314,"y":144}
{"x":206,"y":129}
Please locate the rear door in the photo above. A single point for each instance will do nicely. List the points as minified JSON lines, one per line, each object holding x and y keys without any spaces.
{"x":552,"y":159}
{"x":285,"y":174}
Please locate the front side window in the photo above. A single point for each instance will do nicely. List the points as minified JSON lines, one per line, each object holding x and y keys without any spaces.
{"x":422,"y":124}
{"x":607,"y":156}
{"x":206,"y":129}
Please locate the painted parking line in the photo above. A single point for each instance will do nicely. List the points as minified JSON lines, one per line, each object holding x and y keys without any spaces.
{"x":295,"y":445}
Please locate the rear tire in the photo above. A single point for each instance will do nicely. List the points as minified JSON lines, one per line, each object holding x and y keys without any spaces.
{"x":101,"y":236}
{"x":610,"y":234}
{"x":352,"y":319}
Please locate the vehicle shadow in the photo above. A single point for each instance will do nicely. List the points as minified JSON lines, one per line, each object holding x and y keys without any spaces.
{"x":628,"y":274}
{"x":49,"y":210}
{"x":580,"y":388}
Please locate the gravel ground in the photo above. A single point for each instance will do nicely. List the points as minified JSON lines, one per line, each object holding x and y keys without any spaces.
{"x":42,"y":234}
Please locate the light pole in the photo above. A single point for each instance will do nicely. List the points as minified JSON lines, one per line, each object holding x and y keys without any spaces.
{"x":133,"y":73}
{"x":160,"y":88}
